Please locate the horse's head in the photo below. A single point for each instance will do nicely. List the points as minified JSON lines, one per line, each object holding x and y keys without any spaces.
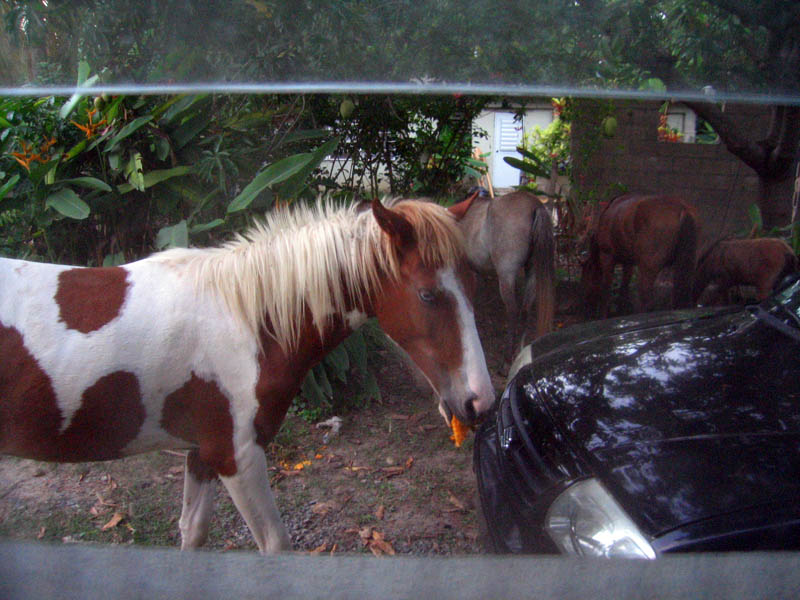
{"x":425,"y":307}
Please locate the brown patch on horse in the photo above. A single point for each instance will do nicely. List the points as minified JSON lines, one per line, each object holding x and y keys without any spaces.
{"x":199,"y":412}
{"x":413,"y":330}
{"x":109,"y":418}
{"x":281,"y":376}
{"x":110,"y":415}
{"x":197,"y":468}
{"x":29,"y":416}
{"x":88,"y":299}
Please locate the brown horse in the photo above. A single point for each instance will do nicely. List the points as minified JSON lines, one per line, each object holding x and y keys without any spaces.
{"x":761,"y":262}
{"x":646,"y":232}
{"x":506,"y":234}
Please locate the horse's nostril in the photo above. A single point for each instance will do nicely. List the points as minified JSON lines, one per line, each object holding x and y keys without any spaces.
{"x":469,"y":409}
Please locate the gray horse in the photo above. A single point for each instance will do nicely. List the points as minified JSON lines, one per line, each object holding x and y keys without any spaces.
{"x":507,"y":234}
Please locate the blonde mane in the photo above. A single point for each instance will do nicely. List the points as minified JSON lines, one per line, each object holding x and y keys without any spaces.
{"x":317,"y":259}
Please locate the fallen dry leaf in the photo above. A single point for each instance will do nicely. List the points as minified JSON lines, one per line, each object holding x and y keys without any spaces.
{"x":409,"y":462}
{"x":379,"y":546}
{"x":319,"y":549}
{"x":365,"y":534}
{"x":323,"y":508}
{"x":41,"y":533}
{"x":115,"y":520}
{"x":102,"y":501}
{"x":392,"y":471}
{"x":456,"y":502}
{"x":356,"y":469}
{"x":287,"y":473}
{"x":380,"y":512}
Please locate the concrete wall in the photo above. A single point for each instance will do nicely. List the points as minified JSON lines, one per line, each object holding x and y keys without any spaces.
{"x":707,"y":175}
{"x":31,"y":570}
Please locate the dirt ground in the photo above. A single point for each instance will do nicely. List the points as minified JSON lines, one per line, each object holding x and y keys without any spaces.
{"x":390,"y":481}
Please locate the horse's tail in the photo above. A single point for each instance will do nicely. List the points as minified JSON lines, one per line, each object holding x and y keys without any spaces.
{"x":704,"y":268}
{"x":683,"y":261}
{"x":540,"y":271}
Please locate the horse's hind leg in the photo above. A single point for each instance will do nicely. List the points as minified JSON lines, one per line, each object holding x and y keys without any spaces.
{"x":508,"y":293}
{"x":625,"y":284}
{"x":647,"y":281}
{"x":198,"y":501}
{"x":249,"y":489}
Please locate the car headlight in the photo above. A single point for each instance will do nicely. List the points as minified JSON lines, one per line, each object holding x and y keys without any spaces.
{"x":586,"y":521}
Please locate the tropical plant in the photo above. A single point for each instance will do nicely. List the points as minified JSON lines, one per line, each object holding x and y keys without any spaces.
{"x":97,"y":180}
{"x":401,"y":144}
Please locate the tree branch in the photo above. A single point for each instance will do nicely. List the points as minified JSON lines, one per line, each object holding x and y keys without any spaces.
{"x":751,"y":153}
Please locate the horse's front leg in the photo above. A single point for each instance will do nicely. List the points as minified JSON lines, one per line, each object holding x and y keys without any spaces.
{"x":198,"y":501}
{"x":607,"y":265}
{"x":249,"y":489}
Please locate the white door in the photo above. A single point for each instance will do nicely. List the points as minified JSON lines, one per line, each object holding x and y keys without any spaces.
{"x":507,"y":136}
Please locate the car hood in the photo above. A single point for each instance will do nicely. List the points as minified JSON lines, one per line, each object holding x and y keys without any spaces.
{"x":683,"y":416}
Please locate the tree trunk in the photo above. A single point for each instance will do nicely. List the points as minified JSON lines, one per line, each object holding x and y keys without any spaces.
{"x":775,"y":200}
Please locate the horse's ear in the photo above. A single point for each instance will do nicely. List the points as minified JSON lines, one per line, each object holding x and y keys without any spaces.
{"x":399,"y":230}
{"x":460,"y":209}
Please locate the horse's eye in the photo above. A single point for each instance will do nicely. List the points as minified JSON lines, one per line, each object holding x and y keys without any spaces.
{"x":426,"y":295}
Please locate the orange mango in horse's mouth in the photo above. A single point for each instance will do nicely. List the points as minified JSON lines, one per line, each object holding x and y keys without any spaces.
{"x":459,"y":431}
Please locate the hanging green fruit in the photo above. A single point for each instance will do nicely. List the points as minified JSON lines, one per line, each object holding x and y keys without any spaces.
{"x":609,"y":126}
{"x":346,"y":108}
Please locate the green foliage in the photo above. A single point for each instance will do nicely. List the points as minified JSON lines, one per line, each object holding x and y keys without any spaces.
{"x":590,"y":113}
{"x":91,"y":177}
{"x":403,"y":145}
{"x":790,"y":233}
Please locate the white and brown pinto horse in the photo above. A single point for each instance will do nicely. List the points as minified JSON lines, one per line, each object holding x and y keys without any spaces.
{"x":205,"y":348}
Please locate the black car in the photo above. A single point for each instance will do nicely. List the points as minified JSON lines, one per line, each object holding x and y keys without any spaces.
{"x":649,"y":434}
